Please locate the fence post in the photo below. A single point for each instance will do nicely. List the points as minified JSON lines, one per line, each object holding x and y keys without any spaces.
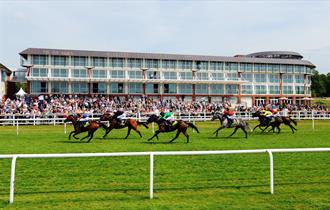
{"x":16,"y":127}
{"x":54,"y":119}
{"x":313,"y":124}
{"x":271,"y":170}
{"x":65,"y":128}
{"x":151,"y":176}
{"x":13,"y":119}
{"x":34,"y":119}
{"x":12,"y":179}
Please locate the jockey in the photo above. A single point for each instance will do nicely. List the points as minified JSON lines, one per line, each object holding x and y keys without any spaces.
{"x":83,"y":118}
{"x":230,"y":115}
{"x":168,"y":116}
{"x":268,"y":114}
{"x":120,"y":115}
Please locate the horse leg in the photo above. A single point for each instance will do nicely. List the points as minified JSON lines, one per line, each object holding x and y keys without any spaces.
{"x":176,"y":136}
{"x":91,"y":136}
{"x":263,"y":130}
{"x":128,"y":132}
{"x":233,"y":132}
{"x":256,"y":127}
{"x":136,"y":130}
{"x":291,"y":128}
{"x":217,"y":131}
{"x":244,"y":132}
{"x":187,"y":136}
{"x":89,"y":133}
{"x":74,"y":135}
{"x":71,"y":134}
{"x":106,"y":132}
{"x":156,"y":134}
{"x":279,"y":129}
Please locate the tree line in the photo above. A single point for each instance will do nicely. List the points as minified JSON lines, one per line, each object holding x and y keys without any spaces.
{"x":320,"y":84}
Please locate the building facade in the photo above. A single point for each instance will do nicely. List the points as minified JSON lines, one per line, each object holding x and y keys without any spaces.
{"x":265,"y":77}
{"x":4,"y":78}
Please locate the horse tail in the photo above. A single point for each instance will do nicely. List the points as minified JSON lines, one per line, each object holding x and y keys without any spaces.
{"x":143,"y":123}
{"x":193,"y":126}
{"x":292,"y":120}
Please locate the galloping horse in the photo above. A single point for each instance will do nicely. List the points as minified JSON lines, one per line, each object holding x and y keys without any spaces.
{"x":163,"y":126}
{"x":263,"y":121}
{"x":276,"y":123}
{"x":79,"y":128}
{"x":238,"y":123}
{"x":114,"y":124}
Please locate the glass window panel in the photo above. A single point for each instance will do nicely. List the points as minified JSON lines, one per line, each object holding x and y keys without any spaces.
{"x":186,"y":75}
{"x":185,"y":88}
{"x":170,"y":88}
{"x":231,"y":89}
{"x":79,"y":87}
{"x":170,"y":75}
{"x":217,"y":89}
{"x":185,"y":64}
{"x":246,"y":89}
{"x":117,"y":62}
{"x":246,"y":67}
{"x":135,"y":88}
{"x":81,"y":73}
{"x":274,"y":89}
{"x":260,"y":89}
{"x":134,"y":63}
{"x":202,"y":89}
{"x":231,"y":66}
{"x":202,"y":76}
{"x":60,"y":87}
{"x":152,"y":88}
{"x":218,"y":76}
{"x":60,"y":60}
{"x":99,"y":61}
{"x":168,"y":64}
{"x":152,"y":63}
{"x":60,"y":72}
{"x":260,"y":77}
{"x":247,"y":77}
{"x":119,"y":74}
{"x":39,"y":72}
{"x":40,"y":60}
{"x":299,"y":89}
{"x":96,"y":73}
{"x":274,"y":78}
{"x":216,"y":66}
{"x":287,"y":89}
{"x":287,"y":78}
{"x":135,"y":74}
{"x":79,"y":61}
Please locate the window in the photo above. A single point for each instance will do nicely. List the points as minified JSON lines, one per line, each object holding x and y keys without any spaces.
{"x":117,"y":74}
{"x":40,"y":60}
{"x":152,"y":88}
{"x":186,"y":75}
{"x":246,"y":89}
{"x":274,"y":68}
{"x":246,"y":67}
{"x":135,"y":74}
{"x":170,"y":88}
{"x":185,"y":88}
{"x":260,"y":77}
{"x":152,"y":63}
{"x":231,"y":76}
{"x":134,"y":63}
{"x":202,"y":76}
{"x":59,"y":72}
{"x":99,"y":87}
{"x":169,"y":64}
{"x":79,"y":73}
{"x":79,"y":87}
{"x":135,"y":88}
{"x":287,"y":90}
{"x":260,"y":89}
{"x":274,"y":78}
{"x":99,"y":61}
{"x":231,"y":66}
{"x":117,"y":87}
{"x":170,"y":75}
{"x":39,"y":72}
{"x":287,"y":78}
{"x":217,"y":89}
{"x":287,"y":68}
{"x":299,"y":69}
{"x":79,"y":61}
{"x":274,"y":89}
{"x":217,"y":76}
{"x":300,"y":89}
{"x":216,"y":65}
{"x":247,"y":77}
{"x":153,"y":75}
{"x":185,"y":64}
{"x":60,"y":87}
{"x":231,"y":89}
{"x":299,"y":78}
{"x":60,"y":60}
{"x":260,"y":67}
{"x":97,"y":73}
{"x":117,"y":62}
{"x":3,"y":76}
{"x":202,"y":65}
{"x":39,"y":87}
{"x":202,"y":89}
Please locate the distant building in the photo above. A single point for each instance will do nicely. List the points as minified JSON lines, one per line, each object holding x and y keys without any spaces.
{"x":4,"y":78}
{"x":264,"y":77}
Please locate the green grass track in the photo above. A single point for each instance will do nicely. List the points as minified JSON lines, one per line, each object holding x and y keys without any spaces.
{"x":236,"y":181}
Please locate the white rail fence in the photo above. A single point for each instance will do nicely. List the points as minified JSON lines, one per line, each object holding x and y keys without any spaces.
{"x":15,"y":119}
{"x":152,"y":155}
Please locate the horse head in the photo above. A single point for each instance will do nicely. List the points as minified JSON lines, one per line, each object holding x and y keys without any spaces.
{"x":70,"y":118}
{"x":152,"y":118}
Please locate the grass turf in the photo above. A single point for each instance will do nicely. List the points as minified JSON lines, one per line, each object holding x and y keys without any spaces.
{"x":240,"y":181}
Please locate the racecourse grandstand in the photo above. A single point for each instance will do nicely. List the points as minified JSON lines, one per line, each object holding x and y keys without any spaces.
{"x":253,"y":79}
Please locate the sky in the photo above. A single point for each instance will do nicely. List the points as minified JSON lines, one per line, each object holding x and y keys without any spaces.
{"x":209,"y":27}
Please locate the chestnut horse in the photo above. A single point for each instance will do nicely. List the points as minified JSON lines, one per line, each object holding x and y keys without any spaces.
{"x":163,"y":126}
{"x":114,"y":124}
{"x":79,"y":128}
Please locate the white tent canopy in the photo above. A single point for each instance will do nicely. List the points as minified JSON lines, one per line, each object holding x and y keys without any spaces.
{"x":21,"y":92}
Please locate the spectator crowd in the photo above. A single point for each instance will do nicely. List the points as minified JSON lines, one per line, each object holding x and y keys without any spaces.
{"x":66,"y":104}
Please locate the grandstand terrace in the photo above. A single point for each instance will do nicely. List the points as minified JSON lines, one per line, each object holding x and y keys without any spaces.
{"x":253,"y":79}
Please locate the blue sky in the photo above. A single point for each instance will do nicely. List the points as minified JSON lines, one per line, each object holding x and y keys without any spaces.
{"x":223,"y":28}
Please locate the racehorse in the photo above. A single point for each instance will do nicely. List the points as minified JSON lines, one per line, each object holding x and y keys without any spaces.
{"x":79,"y":128}
{"x":278,"y":120}
{"x":263,"y":121}
{"x":115,"y":124}
{"x":163,"y":126}
{"x":238,"y":123}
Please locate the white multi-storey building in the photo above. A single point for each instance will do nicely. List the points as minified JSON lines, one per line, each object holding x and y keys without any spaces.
{"x":256,"y":78}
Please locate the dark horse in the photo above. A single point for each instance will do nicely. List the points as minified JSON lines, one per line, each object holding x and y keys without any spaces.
{"x":163,"y":126}
{"x":79,"y":128}
{"x":115,"y":124}
{"x":278,"y":120}
{"x":238,"y":123}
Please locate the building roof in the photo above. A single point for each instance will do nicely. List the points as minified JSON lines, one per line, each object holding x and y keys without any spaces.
{"x":3,"y":67}
{"x":240,"y":59}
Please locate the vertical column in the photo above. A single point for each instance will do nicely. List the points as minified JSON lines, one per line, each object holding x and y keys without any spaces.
{"x":239,"y":88}
{"x":281,"y":88}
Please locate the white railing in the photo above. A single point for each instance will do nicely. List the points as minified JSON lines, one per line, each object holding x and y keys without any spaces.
{"x":152,"y":155}
{"x":189,"y":116}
